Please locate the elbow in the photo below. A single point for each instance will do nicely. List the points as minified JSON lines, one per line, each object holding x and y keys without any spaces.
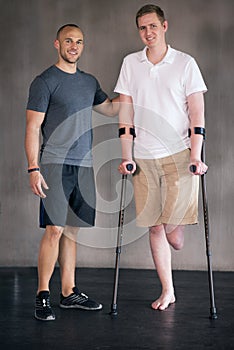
{"x":112,"y":112}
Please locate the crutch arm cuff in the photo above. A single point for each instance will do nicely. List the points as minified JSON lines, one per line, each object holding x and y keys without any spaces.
{"x":198,"y":131}
{"x":122,"y":131}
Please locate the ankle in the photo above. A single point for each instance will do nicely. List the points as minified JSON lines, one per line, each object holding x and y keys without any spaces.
{"x":43,"y":291}
{"x":168,"y":291}
{"x":67,"y":291}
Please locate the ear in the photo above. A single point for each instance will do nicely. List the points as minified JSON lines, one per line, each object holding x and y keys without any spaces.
{"x":56,"y":44}
{"x":165,"y":26}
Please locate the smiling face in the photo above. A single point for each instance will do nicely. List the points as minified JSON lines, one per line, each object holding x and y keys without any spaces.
{"x":70,"y":44}
{"x":152,"y":31}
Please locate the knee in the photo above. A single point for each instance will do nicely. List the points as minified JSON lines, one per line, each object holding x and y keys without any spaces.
{"x":154,"y":230}
{"x":53,"y":234}
{"x":71,"y":232}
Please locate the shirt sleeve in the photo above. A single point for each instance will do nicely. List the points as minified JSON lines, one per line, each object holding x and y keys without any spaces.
{"x":100,"y":95}
{"x":39,"y":96}
{"x":122,"y":85}
{"x":194,"y":81}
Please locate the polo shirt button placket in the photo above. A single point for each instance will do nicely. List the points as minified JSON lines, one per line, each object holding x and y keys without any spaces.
{"x":154,"y":72}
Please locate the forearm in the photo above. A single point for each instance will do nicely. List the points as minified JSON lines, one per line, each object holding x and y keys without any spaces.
{"x":126,"y":122}
{"x":32,"y":146}
{"x":34,"y":121}
{"x":109,"y":108}
{"x":197,"y":120}
{"x":126,"y":146}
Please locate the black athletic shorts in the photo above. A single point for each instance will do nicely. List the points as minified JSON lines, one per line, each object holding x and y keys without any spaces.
{"x":71,"y":197}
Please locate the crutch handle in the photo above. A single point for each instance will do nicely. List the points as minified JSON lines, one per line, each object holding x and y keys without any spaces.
{"x":129,"y":167}
{"x":193,"y":168}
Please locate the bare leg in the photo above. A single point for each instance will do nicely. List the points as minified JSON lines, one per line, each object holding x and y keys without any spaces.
{"x":175,"y":236}
{"x":162,"y":258}
{"x":48,"y":255}
{"x":67,"y":259}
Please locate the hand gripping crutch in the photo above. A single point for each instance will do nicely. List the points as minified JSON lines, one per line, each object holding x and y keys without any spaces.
{"x":119,"y":241}
{"x":213,"y":314}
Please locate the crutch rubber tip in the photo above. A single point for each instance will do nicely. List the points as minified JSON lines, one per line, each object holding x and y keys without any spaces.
{"x":113,"y":313}
{"x":213,"y":315}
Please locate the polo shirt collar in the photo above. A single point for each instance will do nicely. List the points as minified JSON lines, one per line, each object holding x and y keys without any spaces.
{"x":167,"y":59}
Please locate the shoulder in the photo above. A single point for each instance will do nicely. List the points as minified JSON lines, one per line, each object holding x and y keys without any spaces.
{"x":48,"y":73}
{"x":134,"y":56}
{"x":85,"y":75}
{"x":87,"y":78}
{"x":45,"y":77}
{"x":181,"y":56}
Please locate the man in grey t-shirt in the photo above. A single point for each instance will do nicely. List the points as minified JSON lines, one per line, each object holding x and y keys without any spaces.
{"x":60,"y":104}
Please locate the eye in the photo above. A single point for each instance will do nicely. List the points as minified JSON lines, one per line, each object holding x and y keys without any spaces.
{"x":80,"y":42}
{"x":68,"y":41}
{"x":142,"y":28}
{"x":153,"y":26}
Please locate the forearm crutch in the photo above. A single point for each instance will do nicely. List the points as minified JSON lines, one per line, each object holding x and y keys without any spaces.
{"x":213,"y":314}
{"x":119,"y":241}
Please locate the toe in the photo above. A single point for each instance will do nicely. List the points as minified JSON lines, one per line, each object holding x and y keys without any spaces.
{"x":155,"y":305}
{"x":163,"y":302}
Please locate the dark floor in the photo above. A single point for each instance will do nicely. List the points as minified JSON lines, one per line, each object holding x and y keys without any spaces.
{"x":184,"y":325}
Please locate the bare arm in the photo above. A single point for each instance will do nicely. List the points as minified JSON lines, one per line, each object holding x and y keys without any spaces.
{"x":196,"y":114}
{"x":32,"y":144}
{"x":126,"y":120}
{"x":109,"y":108}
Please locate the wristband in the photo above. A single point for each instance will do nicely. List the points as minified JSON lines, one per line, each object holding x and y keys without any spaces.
{"x":33,"y":169}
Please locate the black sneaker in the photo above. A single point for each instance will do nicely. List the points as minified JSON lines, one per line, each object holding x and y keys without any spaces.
{"x":78,"y":300}
{"x":43,"y":310}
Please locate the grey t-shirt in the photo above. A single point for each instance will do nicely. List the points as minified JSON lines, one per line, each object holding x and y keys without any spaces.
{"x":67,"y":101}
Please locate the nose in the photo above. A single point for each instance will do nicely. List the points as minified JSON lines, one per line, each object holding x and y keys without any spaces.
{"x":74,"y":45}
{"x":148,"y":31}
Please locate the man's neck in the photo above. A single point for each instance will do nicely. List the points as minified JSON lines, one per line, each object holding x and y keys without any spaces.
{"x":67,"y":67}
{"x":156,"y":54}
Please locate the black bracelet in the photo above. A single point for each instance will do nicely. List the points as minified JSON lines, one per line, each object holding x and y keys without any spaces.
{"x":33,"y":169}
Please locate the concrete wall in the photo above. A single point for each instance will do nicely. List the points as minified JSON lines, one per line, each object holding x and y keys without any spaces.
{"x":202,"y":28}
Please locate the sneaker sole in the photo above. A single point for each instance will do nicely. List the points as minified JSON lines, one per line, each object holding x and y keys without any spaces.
{"x":44,"y":319}
{"x":80,"y":307}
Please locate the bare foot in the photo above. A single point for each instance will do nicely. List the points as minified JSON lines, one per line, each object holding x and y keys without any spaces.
{"x":163,"y":301}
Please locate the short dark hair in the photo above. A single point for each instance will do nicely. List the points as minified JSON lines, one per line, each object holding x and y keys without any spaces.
{"x":64,"y":26}
{"x":150,"y":9}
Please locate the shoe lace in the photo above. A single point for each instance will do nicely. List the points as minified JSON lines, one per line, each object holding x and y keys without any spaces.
{"x":84,"y":295}
{"x":46,"y":302}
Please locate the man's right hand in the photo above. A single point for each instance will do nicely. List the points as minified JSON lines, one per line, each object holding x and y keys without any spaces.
{"x":36,"y":183}
{"x":123,"y":167}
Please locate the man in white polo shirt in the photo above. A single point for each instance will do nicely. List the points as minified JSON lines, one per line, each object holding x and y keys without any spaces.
{"x":161,"y":94}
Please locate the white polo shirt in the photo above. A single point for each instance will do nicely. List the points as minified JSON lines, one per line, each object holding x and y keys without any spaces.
{"x":159,"y":93}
